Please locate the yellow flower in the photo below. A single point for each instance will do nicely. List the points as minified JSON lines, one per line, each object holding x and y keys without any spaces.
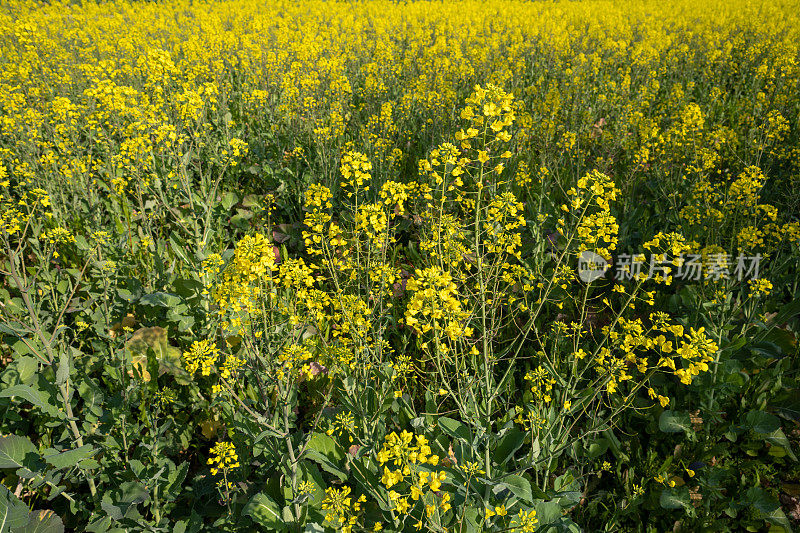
{"x":223,"y":457}
{"x":201,"y":355}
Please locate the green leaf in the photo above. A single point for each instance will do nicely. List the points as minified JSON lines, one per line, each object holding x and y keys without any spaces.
{"x":265,"y":512}
{"x":168,"y":356}
{"x":455,"y":429}
{"x":133,"y":492}
{"x":766,"y":507}
{"x":43,"y":521}
{"x":547,"y":512}
{"x":784,"y":315}
{"x":27,"y":367}
{"x":13,"y":512}
{"x":175,"y":481}
{"x":519,"y":487}
{"x":674,"y":422}
{"x":113,"y":511}
{"x":36,"y":397}
{"x":677,"y":498}
{"x":509,"y":444}
{"x":229,"y":199}
{"x":598,"y":448}
{"x":70,"y":458}
{"x":179,"y":248}
{"x":13,"y":450}
{"x":64,"y":367}
{"x":370,"y":483}
{"x":565,"y":482}
{"x":788,"y":405}
{"x":160,"y":299}
{"x":473,"y":519}
{"x":92,"y":396}
{"x":324,"y":450}
{"x":326,"y":445}
{"x":778,"y":438}
{"x":761,"y":422}
{"x":126,"y":295}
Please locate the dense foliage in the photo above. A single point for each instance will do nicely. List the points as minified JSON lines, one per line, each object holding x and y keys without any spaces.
{"x":438,"y":266}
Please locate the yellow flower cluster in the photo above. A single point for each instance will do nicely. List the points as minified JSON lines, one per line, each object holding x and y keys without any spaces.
{"x":524,"y":521}
{"x":721,"y":212}
{"x":231,"y":366}
{"x":202,"y":355}
{"x":355,"y":168}
{"x":244,"y":280}
{"x":295,"y":362}
{"x":340,"y":508}
{"x":541,"y":384}
{"x":317,"y":218}
{"x":504,"y":216}
{"x":634,"y":348}
{"x":223,"y":457}
{"x":344,"y":424}
{"x":15,"y":211}
{"x":57,"y":236}
{"x":760,"y":287}
{"x":489,"y":107}
{"x":373,"y":222}
{"x":660,"y":245}
{"x":435,"y":305}
{"x":394,"y":195}
{"x":417,"y":484}
{"x":447,"y":242}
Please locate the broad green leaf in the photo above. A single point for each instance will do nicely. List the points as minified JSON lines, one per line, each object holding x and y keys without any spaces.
{"x":519,"y":487}
{"x":229,"y":199}
{"x":179,"y":248}
{"x":597,"y":448}
{"x":761,"y":422}
{"x":370,"y":483}
{"x":455,"y":429}
{"x":324,"y":450}
{"x":92,"y":395}
{"x":787,"y":405}
{"x":13,"y":512}
{"x":27,"y":367}
{"x":265,"y":512}
{"x":327,"y":446}
{"x":677,"y":498}
{"x":547,"y":512}
{"x":64,"y":367}
{"x":168,"y":356}
{"x":778,"y":438}
{"x":43,"y":521}
{"x":175,"y":481}
{"x":13,"y":450}
{"x":34,"y":396}
{"x":70,"y":458}
{"x":674,"y":422}
{"x":113,"y":511}
{"x":472,"y":519}
{"x":160,"y":299}
{"x":508,"y":445}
